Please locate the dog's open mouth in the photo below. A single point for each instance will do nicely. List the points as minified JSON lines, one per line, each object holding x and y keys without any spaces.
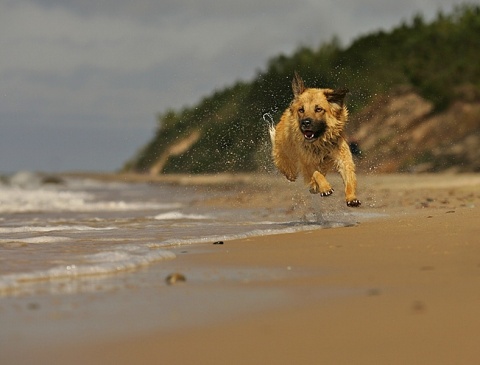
{"x":309,"y":135}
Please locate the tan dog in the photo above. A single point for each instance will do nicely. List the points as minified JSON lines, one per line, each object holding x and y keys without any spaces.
{"x":309,"y":139}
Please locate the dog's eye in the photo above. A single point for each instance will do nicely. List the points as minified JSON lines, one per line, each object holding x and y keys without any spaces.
{"x":318,"y":109}
{"x":301,"y":110}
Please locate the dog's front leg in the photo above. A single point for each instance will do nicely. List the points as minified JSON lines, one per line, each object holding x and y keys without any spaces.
{"x":320,"y":185}
{"x":350,"y":182}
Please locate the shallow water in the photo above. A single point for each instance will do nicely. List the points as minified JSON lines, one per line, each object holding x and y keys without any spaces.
{"x":83,"y":228}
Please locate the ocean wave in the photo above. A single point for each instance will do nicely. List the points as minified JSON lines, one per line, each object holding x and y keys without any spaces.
{"x":17,"y":200}
{"x":178,"y":215}
{"x":39,"y":229}
{"x":127,"y":258}
{"x":36,"y":240}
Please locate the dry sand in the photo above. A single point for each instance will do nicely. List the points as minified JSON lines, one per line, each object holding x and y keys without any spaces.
{"x":402,"y":287}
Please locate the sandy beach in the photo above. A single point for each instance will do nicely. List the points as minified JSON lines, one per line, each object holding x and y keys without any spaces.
{"x":399,"y":286}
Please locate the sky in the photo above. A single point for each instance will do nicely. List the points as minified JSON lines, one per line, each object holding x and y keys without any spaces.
{"x":81,"y":82}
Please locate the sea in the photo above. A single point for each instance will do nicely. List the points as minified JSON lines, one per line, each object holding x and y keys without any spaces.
{"x":53,"y":230}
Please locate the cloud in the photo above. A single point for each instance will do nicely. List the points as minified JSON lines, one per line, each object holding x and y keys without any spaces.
{"x":42,"y":40}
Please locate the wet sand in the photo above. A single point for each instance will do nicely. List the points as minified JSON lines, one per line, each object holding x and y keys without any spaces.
{"x":400,"y":286}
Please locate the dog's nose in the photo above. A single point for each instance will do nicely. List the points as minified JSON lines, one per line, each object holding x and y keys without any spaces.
{"x":306,"y":123}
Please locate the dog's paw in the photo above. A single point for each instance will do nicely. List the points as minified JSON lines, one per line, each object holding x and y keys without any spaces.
{"x":354,"y":203}
{"x":291,"y":179}
{"x":316,"y":190}
{"x":326,"y":193}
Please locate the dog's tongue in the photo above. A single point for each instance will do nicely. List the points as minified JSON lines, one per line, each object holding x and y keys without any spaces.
{"x":308,"y":134}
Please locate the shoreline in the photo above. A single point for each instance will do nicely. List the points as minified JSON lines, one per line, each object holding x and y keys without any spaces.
{"x":400,"y":288}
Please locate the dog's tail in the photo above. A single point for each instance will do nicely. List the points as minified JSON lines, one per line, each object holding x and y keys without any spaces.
{"x":267,"y":117}
{"x":271,"y":131}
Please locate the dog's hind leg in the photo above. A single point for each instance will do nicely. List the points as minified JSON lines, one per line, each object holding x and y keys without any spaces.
{"x":288,"y":169}
{"x":285,"y":165}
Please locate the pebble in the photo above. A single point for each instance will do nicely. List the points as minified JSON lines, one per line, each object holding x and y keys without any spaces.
{"x":418,"y":306}
{"x":218,"y":243}
{"x":175,"y":278}
{"x":33,"y":306}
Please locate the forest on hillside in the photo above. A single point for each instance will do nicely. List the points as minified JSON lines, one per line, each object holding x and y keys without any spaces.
{"x":226,"y":132}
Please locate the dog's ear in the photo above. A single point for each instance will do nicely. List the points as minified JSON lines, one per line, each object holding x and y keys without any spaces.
{"x":336,"y":96}
{"x":297,"y":85}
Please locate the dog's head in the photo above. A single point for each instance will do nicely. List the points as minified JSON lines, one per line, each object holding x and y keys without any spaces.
{"x":321,"y":113}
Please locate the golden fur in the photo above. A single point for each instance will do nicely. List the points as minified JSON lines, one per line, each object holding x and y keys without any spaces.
{"x":309,"y":139}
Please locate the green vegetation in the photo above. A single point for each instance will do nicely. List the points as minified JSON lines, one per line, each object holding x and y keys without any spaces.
{"x":437,"y":59}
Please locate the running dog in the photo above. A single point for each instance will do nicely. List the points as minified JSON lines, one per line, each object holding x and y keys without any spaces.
{"x":309,"y":139}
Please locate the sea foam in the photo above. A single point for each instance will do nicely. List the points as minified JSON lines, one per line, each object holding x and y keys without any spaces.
{"x":18,"y":200}
{"x":179,"y":215}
